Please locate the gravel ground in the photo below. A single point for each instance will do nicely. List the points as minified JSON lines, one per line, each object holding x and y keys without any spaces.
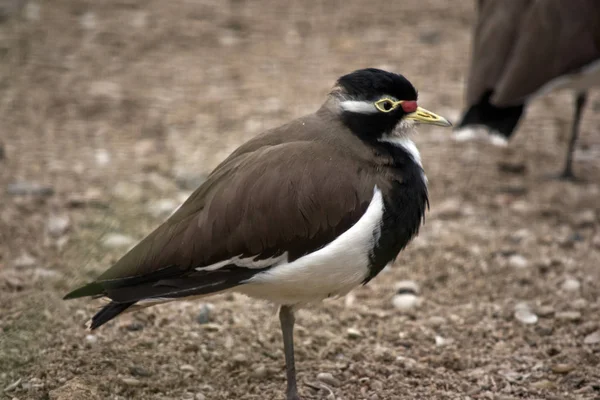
{"x":113,"y":111}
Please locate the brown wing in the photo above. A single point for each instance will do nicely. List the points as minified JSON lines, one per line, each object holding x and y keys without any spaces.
{"x":494,"y":38}
{"x":556,"y":37}
{"x":520,"y":45}
{"x":257,"y":204}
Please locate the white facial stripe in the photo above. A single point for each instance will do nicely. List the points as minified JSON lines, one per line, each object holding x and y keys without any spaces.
{"x":361,"y":107}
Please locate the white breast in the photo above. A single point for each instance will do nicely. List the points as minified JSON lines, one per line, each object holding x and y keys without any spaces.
{"x":333,"y":270}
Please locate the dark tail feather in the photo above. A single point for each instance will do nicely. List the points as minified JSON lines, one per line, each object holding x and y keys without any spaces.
{"x":501,"y":119}
{"x":91,"y":289}
{"x":108,"y":312}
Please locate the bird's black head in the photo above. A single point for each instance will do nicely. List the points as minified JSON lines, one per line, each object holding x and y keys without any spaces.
{"x":373,"y":103}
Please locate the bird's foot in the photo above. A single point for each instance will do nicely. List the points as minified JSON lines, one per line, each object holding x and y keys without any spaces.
{"x":566,"y":176}
{"x":292,"y":395}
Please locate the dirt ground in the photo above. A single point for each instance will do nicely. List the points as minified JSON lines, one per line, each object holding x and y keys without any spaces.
{"x":112,"y":111}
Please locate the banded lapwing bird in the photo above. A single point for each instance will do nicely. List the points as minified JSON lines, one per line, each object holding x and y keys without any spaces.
{"x":303,"y":212}
{"x":523,"y":49}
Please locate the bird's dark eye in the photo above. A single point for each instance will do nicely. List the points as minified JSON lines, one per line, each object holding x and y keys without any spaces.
{"x":385,"y":105}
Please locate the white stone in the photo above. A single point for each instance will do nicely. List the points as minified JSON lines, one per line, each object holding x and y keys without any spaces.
{"x":592,"y":338}
{"x":571,"y":285}
{"x":526,"y":316}
{"x":91,"y":338}
{"x":187,"y":368}
{"x":518,"y":261}
{"x":114,"y":240}
{"x":353,"y":333}
{"x":441,"y":341}
{"x":328,"y":379}
{"x":102,"y":157}
{"x":58,"y":224}
{"x":406,"y":301}
{"x":25,"y":260}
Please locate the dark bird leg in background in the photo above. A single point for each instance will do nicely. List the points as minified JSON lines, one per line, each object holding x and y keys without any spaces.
{"x":580,"y":101}
{"x":286,"y":318}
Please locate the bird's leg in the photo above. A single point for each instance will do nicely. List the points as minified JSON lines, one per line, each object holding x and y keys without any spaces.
{"x":286,"y":318}
{"x":579,"y":104}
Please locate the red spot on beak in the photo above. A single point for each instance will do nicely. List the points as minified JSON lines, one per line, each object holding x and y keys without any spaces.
{"x":409,"y":106}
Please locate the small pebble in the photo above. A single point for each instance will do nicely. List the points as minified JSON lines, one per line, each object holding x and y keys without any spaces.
{"x":592,"y":338}
{"x":57,"y":225}
{"x":204,"y":316}
{"x":349,"y":300}
{"x":406,"y":302}
{"x":102,"y":157}
{"x":526,"y":316}
{"x":29,"y":189}
{"x":544,"y":384}
{"x":436,"y":321}
{"x":91,"y":339}
{"x":568,"y":315}
{"x":328,"y":379}
{"x":376,"y":385}
{"x":260,"y":372}
{"x":407,"y":362}
{"x":131,"y":381}
{"x":25,"y":260}
{"x":579,"y":304}
{"x":562,"y":368}
{"x":571,"y":285}
{"x":114,"y":240}
{"x":187,"y":368}
{"x":352,"y":333}
{"x":517,"y":261}
{"x":13,"y":385}
{"x":200,"y":396}
{"x":240,"y":358}
{"x":139,"y":371}
{"x":441,"y":341}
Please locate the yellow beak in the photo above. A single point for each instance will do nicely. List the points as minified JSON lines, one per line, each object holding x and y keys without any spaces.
{"x":423,"y":116}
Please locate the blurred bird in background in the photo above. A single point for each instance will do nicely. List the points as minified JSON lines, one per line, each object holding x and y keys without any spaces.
{"x":523,"y":49}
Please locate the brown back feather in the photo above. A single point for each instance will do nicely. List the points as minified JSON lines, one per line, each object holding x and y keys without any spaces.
{"x":294,"y":189}
{"x":520,"y":45}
